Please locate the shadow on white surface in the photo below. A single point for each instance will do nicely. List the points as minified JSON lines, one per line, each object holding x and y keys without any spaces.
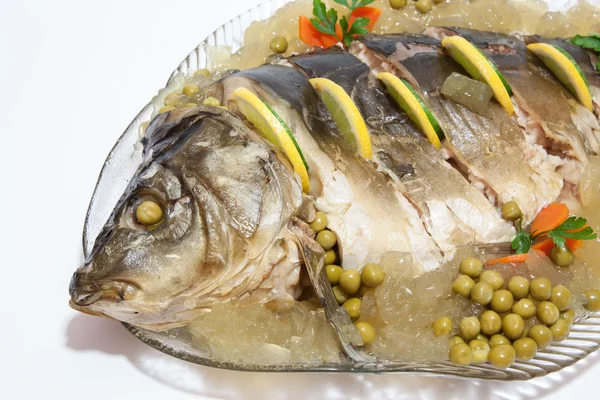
{"x":87,"y":333}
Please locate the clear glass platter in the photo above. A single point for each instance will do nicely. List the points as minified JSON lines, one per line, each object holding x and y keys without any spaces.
{"x":123,"y":161}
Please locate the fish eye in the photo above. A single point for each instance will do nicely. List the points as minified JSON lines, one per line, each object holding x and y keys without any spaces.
{"x":148,"y":212}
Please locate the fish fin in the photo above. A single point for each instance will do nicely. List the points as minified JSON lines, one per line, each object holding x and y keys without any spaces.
{"x":313,"y":256}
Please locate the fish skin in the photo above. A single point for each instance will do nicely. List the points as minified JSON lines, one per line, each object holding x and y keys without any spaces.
{"x":228,"y":196}
{"x":491,"y":151}
{"x":453,"y":211}
{"x":367,"y":213}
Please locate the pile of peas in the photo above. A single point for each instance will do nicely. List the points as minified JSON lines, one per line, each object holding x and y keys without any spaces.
{"x":349,"y":285}
{"x":499,"y":335}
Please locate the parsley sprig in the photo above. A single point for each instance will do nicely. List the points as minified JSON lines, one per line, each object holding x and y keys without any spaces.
{"x":325,"y":20}
{"x":522,"y":242}
{"x":590,"y":42}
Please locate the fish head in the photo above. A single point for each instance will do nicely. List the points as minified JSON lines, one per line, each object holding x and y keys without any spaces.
{"x":224,"y":194}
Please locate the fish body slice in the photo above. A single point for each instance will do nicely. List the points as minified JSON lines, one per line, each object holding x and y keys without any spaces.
{"x":453,"y":211}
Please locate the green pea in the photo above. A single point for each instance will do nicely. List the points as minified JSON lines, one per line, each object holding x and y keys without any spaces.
{"x":498,"y":339}
{"x":513,"y":326}
{"x":190,"y":90}
{"x":568,"y":316}
{"x":479,"y":351}
{"x":547,"y":313}
{"x":367,"y":332}
{"x":340,"y":296}
{"x":469,"y":328}
{"x":525,"y":349}
{"x":350,"y":281}
{"x":560,"y":330}
{"x":502,"y":301}
{"x":561,"y":297}
{"x":511,"y":211}
{"x":491,"y":323}
{"x":326,"y":239}
{"x":442,"y":326}
{"x":542,"y":336}
{"x":525,"y":308}
{"x":502,"y":356}
{"x":540,"y":289}
{"x":592,"y":297}
{"x":482,"y":293}
{"x":330,"y":257}
{"x":398,"y":4}
{"x":334,"y":272}
{"x":471,"y":266}
{"x":519,"y":287}
{"x":372,"y":275}
{"x":461,"y":354}
{"x":455,"y":340}
{"x":352,"y":306}
{"x":320,"y":222}
{"x":424,"y":6}
{"x":562,"y":256}
{"x":463,"y":285}
{"x":493,"y":278}
{"x":279,"y":44}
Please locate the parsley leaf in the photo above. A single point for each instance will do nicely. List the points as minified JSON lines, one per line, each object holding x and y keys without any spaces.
{"x":571,"y":223}
{"x":324,"y":21}
{"x":591,"y":42}
{"x":521,"y":243}
{"x":357,"y":28}
{"x":560,"y":233}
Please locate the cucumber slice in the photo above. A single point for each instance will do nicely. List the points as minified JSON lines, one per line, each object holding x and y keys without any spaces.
{"x":502,"y":78}
{"x":289,"y":132}
{"x":434,"y":123}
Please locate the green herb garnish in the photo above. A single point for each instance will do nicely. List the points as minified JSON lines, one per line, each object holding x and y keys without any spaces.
{"x":590,"y":42}
{"x":522,"y":242}
{"x":325,"y":21}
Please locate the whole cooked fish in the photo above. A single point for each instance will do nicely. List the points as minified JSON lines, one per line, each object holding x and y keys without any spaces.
{"x":454,"y":212}
{"x":228,"y":197}
{"x":492,"y":152}
{"x":233,"y":210}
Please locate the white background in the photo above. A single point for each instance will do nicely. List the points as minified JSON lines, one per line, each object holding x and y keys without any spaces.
{"x":72,"y":76}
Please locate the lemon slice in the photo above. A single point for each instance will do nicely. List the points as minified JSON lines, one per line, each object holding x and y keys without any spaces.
{"x":565,"y":68}
{"x":480,"y":68}
{"x":414,"y":106}
{"x":345,"y":115}
{"x":272,"y":127}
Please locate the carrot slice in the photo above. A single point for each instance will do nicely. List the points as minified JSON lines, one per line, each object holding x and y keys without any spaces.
{"x":545,"y":246}
{"x":311,"y":36}
{"x":574,"y":244}
{"x":372,"y":13}
{"x":549,"y":218}
{"x":515,"y":259}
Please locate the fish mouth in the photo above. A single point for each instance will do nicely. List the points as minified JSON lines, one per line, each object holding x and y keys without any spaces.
{"x":87,"y":293}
